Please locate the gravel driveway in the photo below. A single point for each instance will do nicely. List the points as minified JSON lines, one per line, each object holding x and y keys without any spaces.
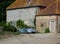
{"x":49,"y":38}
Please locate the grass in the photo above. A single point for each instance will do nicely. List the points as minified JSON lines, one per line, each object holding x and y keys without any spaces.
{"x":4,"y":35}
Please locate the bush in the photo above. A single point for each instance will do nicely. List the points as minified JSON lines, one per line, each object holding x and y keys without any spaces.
{"x":7,"y":27}
{"x":2,"y":24}
{"x":47,"y":30}
{"x":20,"y":24}
{"x":10,"y":28}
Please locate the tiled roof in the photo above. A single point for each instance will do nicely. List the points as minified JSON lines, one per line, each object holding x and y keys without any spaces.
{"x":53,"y":8}
{"x":24,"y":3}
{"x":47,"y":2}
{"x":17,"y":4}
{"x":59,"y":6}
{"x":36,"y":2}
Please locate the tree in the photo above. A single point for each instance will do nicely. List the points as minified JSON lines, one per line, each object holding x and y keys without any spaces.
{"x":3,"y":5}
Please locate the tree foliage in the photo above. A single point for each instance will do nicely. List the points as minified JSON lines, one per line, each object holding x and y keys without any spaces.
{"x":3,"y":5}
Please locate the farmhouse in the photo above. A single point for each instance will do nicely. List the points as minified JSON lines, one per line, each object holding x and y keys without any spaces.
{"x":46,"y":13}
{"x":24,"y":10}
{"x":49,"y":18}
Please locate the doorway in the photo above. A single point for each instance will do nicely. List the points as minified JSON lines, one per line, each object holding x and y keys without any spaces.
{"x":52,"y":26}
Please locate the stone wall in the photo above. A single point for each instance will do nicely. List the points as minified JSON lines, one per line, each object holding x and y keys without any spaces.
{"x":42,"y":22}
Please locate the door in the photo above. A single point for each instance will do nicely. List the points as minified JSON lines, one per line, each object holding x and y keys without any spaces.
{"x":52,"y":26}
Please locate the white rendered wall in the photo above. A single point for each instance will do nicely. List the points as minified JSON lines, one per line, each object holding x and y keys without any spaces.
{"x":26,"y":14}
